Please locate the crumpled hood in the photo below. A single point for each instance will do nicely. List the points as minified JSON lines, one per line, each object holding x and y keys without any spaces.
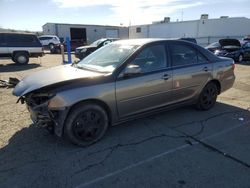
{"x":51,"y":76}
{"x":229,"y":42}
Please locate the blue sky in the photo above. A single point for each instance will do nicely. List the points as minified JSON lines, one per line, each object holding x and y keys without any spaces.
{"x":32,"y":14}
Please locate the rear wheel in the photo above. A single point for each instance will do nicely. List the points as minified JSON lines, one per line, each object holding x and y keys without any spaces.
{"x":21,"y":58}
{"x":86,"y":124}
{"x":208,"y":97}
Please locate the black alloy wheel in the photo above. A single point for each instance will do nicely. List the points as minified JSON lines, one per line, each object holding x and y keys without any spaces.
{"x":86,"y":124}
{"x":208,"y":97}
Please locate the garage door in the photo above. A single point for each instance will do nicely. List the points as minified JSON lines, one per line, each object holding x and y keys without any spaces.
{"x":112,"y":33}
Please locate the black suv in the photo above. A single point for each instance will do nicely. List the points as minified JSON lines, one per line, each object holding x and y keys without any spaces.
{"x":20,"y":47}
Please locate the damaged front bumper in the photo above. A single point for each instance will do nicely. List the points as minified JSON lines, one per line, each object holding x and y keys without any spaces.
{"x":42,"y":115}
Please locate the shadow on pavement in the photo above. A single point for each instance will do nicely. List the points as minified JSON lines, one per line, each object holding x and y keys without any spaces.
{"x":13,"y":67}
{"x":34,"y":158}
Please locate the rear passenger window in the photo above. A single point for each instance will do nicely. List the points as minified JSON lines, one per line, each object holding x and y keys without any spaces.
{"x":45,"y":38}
{"x":41,"y":38}
{"x":185,"y":55}
{"x":182,"y":55}
{"x":201,"y":58}
{"x":20,"y":40}
{"x":151,"y":58}
{"x":2,"y":41}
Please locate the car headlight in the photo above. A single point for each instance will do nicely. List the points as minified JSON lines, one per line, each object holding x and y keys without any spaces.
{"x":56,"y":102}
{"x":216,"y":52}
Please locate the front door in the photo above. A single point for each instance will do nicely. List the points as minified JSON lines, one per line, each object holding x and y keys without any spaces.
{"x":148,"y":90}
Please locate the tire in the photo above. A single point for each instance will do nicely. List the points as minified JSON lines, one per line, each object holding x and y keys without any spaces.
{"x":86,"y":124}
{"x":21,"y":58}
{"x":58,"y":51}
{"x":208,"y":96}
{"x":51,"y":46}
{"x":240,"y":58}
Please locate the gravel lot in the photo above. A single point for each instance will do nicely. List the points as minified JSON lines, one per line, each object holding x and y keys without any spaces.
{"x":178,"y":148}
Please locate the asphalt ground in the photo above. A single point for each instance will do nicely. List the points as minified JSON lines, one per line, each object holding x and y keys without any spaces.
{"x":178,"y":148}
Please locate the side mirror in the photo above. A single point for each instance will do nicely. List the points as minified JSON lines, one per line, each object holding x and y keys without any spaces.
{"x":132,"y":70}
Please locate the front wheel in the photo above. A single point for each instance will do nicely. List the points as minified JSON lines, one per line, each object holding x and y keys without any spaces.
{"x":51,"y":46}
{"x":86,"y":124}
{"x":208,"y":97}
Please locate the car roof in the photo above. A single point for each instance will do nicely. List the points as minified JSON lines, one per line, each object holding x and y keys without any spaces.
{"x":108,"y":38}
{"x":142,"y":41}
{"x":47,"y":36}
{"x":17,"y":33}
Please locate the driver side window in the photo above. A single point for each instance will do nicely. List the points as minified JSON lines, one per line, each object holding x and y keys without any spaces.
{"x":151,"y":58}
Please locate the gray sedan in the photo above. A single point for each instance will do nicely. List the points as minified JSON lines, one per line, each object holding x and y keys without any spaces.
{"x":124,"y":80}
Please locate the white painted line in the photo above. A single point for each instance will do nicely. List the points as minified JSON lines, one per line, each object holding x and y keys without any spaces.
{"x":225,"y":131}
{"x":132,"y":166}
{"x":156,"y":157}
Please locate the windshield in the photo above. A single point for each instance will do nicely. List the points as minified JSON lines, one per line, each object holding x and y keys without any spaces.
{"x":107,"y":58}
{"x":97,"y":42}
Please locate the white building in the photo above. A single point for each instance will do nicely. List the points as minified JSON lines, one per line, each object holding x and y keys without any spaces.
{"x":204,"y":30}
{"x":85,"y":33}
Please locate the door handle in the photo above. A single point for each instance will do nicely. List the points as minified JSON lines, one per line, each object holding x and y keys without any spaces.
{"x":166,"y":76}
{"x":205,"y":69}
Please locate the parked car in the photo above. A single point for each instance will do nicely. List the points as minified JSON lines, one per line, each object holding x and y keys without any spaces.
{"x":213,"y":47}
{"x":246,"y":50}
{"x":230,"y":48}
{"x":121,"y":81}
{"x":20,"y":47}
{"x":246,"y":38}
{"x":73,"y":45}
{"x":83,"y":51}
{"x":49,"y":41}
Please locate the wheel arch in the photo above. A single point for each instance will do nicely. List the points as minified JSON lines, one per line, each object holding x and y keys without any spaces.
{"x":93,"y":101}
{"x":67,"y":130}
{"x":20,"y":51}
{"x":51,"y":43}
{"x":217,"y":83}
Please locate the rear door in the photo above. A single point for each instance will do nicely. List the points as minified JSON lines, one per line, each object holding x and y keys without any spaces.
{"x":148,"y":90}
{"x":191,"y":71}
{"x":3,"y":45}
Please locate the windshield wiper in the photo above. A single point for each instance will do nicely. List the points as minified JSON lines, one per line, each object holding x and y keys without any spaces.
{"x":74,"y":64}
{"x":91,"y":69}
